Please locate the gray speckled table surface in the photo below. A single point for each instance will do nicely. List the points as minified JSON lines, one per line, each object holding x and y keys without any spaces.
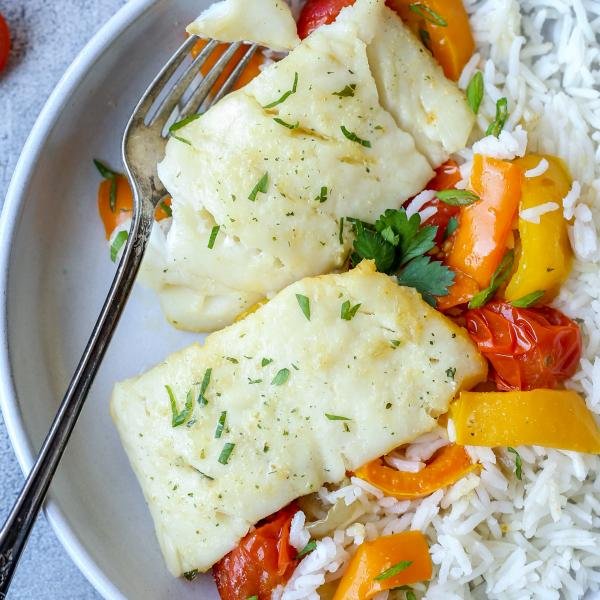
{"x":47,"y":35}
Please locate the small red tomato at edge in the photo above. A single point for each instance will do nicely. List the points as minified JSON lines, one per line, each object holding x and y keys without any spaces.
{"x":4,"y":42}
{"x":319,"y":12}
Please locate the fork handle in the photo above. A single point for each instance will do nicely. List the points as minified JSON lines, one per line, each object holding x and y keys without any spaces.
{"x":16,"y":529}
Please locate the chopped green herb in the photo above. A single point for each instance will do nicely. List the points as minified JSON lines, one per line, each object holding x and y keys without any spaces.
{"x":410,"y":595}
{"x":395,"y":343}
{"x":191,"y":575}
{"x":183,"y":122}
{"x":261,"y":186}
{"x":166,"y":208}
{"x":181,"y":139}
{"x":500,"y":275}
{"x":347,"y":92}
{"x":285,"y":124}
{"x":457,"y":197}
{"x":348,"y":312}
{"x":337,"y":417}
{"x":425,"y":38}
{"x":322,"y":197}
{"x":430,"y":278}
{"x":286,"y":95}
{"x":528,"y":300}
{"x":518,"y":463}
{"x":428,"y":14}
{"x":202,"y":401}
{"x":112,"y":177}
{"x":304,"y":304}
{"x":282,"y":376}
{"x":354,"y":138}
{"x":221,"y":424}
{"x":497,"y":125}
{"x":307,"y":549}
{"x":117,"y":244}
{"x":233,"y":360}
{"x":226,"y":453}
{"x":253,"y":381}
{"x":341,"y":233}
{"x":450,"y":372}
{"x":252,"y":598}
{"x":451,"y":227}
{"x":266,"y":361}
{"x":394,"y":570}
{"x":203,"y":474}
{"x":213,"y":236}
{"x":179,"y":418}
{"x":475,"y":91}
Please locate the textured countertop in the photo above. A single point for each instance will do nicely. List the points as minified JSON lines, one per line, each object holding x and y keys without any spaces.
{"x":47,"y":35}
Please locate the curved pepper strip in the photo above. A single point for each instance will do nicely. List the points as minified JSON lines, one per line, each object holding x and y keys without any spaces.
{"x":545,"y":256}
{"x":550,"y":418}
{"x":448,"y":465}
{"x":369,"y":569}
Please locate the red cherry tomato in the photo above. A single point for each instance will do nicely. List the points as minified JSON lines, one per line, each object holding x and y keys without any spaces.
{"x":263,"y":560}
{"x":319,"y":12}
{"x":4,"y":42}
{"x":528,"y":347}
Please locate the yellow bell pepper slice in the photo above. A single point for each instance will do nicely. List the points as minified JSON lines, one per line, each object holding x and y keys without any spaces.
{"x":545,"y":256}
{"x":385,"y":563}
{"x":550,"y":418}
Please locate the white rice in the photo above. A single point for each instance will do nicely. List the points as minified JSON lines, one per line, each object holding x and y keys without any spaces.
{"x":492,"y":535}
{"x":534,"y":213}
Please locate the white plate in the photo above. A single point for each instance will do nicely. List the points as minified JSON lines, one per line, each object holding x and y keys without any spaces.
{"x":54,"y":274}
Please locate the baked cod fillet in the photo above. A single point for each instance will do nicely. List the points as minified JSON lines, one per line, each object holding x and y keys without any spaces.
{"x":280,"y":404}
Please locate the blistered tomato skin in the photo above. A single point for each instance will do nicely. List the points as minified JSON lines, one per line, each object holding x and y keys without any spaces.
{"x":262,"y":560}
{"x":4,"y":43}
{"x":319,"y":12}
{"x":528,"y":348}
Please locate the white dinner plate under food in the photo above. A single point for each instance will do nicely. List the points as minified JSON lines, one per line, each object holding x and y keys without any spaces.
{"x":55,"y":271}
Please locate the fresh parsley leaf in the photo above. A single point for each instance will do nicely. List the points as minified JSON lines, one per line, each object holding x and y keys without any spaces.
{"x":322,"y":197}
{"x":285,"y":124}
{"x":179,"y":418}
{"x":307,"y":549}
{"x":348,"y":312}
{"x":226,"y":453}
{"x":213,"y":236}
{"x":183,"y":122}
{"x":347,"y":92}
{"x":394,"y":570}
{"x":390,"y":236}
{"x":428,"y":14}
{"x":202,"y":401}
{"x":518,"y":463}
{"x":475,"y":91}
{"x":337,"y":417}
{"x":370,"y":245}
{"x":497,"y":125}
{"x":117,"y":244}
{"x":282,"y":376}
{"x":457,"y":197}
{"x":451,"y":227}
{"x":304,"y":304}
{"x":109,"y":174}
{"x":354,"y":138}
{"x":166,"y":208}
{"x":261,"y":186}
{"x":500,"y":275}
{"x":266,"y":361}
{"x":221,"y":424}
{"x":430,"y":278}
{"x":191,"y":575}
{"x":286,"y":95}
{"x":528,"y":300}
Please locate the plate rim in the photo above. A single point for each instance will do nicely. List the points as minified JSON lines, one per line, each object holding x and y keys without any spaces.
{"x":9,"y":220}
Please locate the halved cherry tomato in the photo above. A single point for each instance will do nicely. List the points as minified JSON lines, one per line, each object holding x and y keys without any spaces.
{"x":251,"y":70}
{"x":4,"y":42}
{"x":319,"y":12}
{"x":263,"y":560}
{"x":527,"y":347}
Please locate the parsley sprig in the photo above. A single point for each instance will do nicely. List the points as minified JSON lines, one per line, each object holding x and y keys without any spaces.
{"x":399,"y":245}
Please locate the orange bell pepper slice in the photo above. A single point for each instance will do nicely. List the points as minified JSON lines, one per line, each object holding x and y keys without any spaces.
{"x":447,"y":466}
{"x":451,"y":43}
{"x":385,"y":563}
{"x":251,"y":70}
{"x":460,"y":292}
{"x":550,"y":418}
{"x":484,"y":226}
{"x":123,"y":203}
{"x":163,"y":209}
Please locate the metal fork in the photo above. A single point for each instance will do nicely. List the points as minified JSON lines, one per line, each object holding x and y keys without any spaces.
{"x":143,"y":146}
